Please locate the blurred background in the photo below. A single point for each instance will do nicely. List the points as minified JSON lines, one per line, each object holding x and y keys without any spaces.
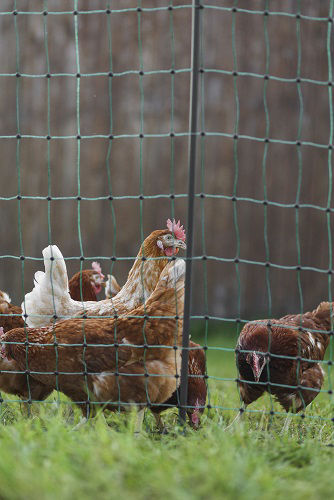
{"x":157,"y":104}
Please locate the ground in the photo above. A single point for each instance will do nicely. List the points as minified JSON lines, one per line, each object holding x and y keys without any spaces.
{"x":44,"y":458}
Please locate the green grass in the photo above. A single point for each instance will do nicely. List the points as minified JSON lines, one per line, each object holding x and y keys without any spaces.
{"x":42,"y":457}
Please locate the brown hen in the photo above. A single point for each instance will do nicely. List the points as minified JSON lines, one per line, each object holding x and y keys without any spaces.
{"x":114,"y":362}
{"x":265,"y":366}
{"x":86,"y":284}
{"x":23,"y":385}
{"x":197,"y":390}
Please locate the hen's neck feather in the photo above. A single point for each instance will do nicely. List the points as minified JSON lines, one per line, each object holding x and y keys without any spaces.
{"x":142,"y":279}
{"x":143,"y":276}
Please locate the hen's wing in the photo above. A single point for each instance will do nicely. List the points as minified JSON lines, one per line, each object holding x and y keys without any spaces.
{"x":65,"y":345}
{"x":311,"y":380}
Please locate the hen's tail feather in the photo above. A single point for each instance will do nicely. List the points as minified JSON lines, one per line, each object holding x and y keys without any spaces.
{"x":50,"y":289}
{"x":111,"y":287}
{"x":323,"y":313}
{"x":55,"y":267}
{"x":38,"y":276}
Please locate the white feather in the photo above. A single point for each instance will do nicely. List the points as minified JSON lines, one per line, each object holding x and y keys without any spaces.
{"x":174,"y":273}
{"x":50,"y":295}
{"x":178,"y":270}
{"x":311,"y":338}
{"x":38,"y":276}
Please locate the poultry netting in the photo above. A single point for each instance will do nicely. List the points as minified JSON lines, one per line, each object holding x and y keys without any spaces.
{"x":291,"y":358}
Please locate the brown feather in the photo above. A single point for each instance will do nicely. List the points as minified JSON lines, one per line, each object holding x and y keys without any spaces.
{"x":75,"y":286}
{"x":23,"y":385}
{"x":11,"y":316}
{"x":197,"y":389}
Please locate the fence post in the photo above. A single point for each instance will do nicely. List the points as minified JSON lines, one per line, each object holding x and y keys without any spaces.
{"x":191,"y":196}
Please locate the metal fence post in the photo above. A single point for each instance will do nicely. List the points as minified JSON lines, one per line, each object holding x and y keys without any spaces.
{"x":191,"y":196}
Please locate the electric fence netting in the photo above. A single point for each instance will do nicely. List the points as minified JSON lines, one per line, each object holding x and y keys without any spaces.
{"x":120,"y":114}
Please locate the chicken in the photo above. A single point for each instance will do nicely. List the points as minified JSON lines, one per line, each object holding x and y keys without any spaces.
{"x":109,"y":362}
{"x":89,"y":280}
{"x":18,"y":384}
{"x":10,"y":315}
{"x":23,"y":385}
{"x":50,"y":300}
{"x":197,"y":389}
{"x":261,"y":351}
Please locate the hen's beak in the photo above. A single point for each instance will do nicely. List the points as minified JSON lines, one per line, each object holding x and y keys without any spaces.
{"x":180,"y":244}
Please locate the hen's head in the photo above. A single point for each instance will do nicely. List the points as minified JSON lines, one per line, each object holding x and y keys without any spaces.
{"x":4,"y":297}
{"x":165,"y":242}
{"x":197,"y":405}
{"x":97,"y":277}
{"x":257,"y":362}
{"x":255,"y":339}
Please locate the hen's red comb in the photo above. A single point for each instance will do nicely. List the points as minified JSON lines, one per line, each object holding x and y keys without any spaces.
{"x":97,"y":268}
{"x":177,"y":229}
